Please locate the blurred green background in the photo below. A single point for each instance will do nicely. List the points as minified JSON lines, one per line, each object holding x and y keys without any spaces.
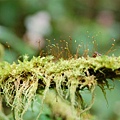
{"x":27,"y":25}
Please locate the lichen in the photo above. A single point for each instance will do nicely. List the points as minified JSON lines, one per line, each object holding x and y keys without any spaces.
{"x":20,"y":82}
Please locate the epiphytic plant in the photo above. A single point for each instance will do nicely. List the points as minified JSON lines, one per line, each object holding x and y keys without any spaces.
{"x":21,"y":82}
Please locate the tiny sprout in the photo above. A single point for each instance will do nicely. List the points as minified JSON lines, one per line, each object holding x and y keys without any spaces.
{"x":25,"y":57}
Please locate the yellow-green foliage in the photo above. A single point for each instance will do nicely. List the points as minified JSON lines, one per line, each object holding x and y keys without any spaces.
{"x":20,"y":82}
{"x":1,"y":51}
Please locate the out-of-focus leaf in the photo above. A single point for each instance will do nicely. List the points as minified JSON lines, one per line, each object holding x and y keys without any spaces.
{"x":2,"y":116}
{"x":9,"y":10}
{"x":10,"y":55}
{"x":16,"y":43}
{"x":57,"y":9}
{"x":1,"y":51}
{"x":35,"y":109}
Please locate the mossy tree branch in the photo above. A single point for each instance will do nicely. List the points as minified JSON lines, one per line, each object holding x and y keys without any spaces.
{"x":19,"y":83}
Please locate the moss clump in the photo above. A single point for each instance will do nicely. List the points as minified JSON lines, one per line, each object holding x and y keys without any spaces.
{"x":19,"y":83}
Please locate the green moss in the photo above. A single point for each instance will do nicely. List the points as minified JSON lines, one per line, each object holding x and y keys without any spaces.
{"x":1,"y":51}
{"x":21,"y":82}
